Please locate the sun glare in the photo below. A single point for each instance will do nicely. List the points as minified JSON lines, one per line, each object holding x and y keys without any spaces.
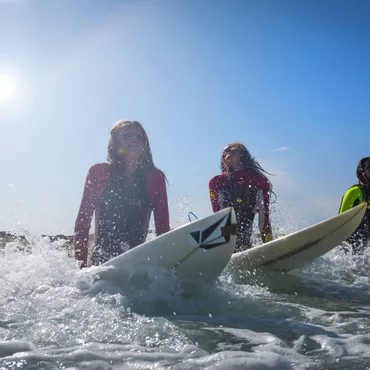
{"x":8,"y":88}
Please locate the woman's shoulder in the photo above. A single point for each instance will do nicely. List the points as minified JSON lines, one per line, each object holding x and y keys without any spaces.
{"x":218,"y":179}
{"x":354,"y":190}
{"x":351,"y":198}
{"x":259,"y":179}
{"x":99,"y":170}
{"x":155,"y":174}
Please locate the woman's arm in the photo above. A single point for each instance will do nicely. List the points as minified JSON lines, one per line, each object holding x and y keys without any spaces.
{"x":96,"y":180}
{"x":214,"y":194}
{"x":263,"y":205}
{"x":157,"y":192}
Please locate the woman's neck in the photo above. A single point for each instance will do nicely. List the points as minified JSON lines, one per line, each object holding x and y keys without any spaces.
{"x":127,"y":168}
{"x":130,"y":168}
{"x":236,"y":169}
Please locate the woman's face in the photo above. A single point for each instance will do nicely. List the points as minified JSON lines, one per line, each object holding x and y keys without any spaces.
{"x":131,"y":140}
{"x":231,"y":158}
{"x":367,"y":168}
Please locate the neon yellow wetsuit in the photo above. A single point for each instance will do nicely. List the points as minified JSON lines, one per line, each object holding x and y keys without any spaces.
{"x":355,"y":195}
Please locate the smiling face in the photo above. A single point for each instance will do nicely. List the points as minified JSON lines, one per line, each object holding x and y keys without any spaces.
{"x":129,"y":145}
{"x":231,"y":159}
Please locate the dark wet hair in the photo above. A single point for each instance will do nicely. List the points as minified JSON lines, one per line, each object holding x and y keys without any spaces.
{"x":247,"y":160}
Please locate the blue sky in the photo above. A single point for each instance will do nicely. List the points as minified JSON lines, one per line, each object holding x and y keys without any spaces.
{"x":197,"y":74}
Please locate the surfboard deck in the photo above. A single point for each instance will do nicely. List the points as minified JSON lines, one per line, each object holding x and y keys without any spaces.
{"x":199,"y":250}
{"x":301,"y":247}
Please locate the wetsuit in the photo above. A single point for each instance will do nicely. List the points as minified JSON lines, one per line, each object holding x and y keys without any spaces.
{"x":355,"y":195}
{"x":248,"y":193}
{"x":122,"y":211}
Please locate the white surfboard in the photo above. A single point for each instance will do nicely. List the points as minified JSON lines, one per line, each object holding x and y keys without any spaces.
{"x":301,"y":247}
{"x":199,"y":250}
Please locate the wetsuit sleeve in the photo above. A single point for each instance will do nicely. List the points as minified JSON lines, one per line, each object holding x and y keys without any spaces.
{"x":214,"y":194}
{"x":352,"y":198}
{"x":263,"y":204}
{"x":96,"y":180}
{"x":156,"y":190}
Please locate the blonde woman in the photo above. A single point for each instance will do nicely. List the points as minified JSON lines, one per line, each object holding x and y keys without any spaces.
{"x":123,"y":193}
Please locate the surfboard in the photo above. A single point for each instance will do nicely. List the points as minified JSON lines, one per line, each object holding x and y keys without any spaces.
{"x":199,"y":250}
{"x":301,"y":247}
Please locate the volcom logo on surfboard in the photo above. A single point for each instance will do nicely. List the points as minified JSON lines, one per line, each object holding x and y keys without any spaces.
{"x":214,"y":235}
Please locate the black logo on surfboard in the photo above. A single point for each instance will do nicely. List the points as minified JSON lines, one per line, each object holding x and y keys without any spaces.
{"x":214,"y":235}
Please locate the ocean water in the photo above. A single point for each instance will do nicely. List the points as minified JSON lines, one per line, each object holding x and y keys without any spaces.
{"x":55,"y":316}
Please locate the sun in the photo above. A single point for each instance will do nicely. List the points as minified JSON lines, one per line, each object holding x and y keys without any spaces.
{"x":8,"y":88}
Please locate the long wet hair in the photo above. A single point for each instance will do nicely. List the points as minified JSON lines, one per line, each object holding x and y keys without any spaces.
{"x":114,"y":158}
{"x":248,"y":161}
{"x":361,"y":174}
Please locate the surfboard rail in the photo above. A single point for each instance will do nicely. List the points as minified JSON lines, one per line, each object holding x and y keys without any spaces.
{"x":302,"y":246}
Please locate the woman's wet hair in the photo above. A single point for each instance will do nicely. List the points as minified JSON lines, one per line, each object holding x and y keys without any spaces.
{"x":247,"y":160}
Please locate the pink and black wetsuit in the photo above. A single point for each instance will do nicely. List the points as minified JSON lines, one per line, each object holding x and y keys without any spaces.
{"x":248,"y":193}
{"x":122,"y":211}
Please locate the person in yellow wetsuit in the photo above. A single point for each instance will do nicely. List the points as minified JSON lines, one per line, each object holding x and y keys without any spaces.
{"x":355,"y":195}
